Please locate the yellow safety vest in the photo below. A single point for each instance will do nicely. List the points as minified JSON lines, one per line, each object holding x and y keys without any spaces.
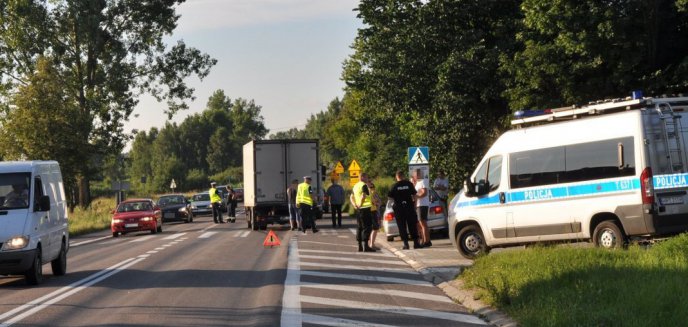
{"x":213,"y":195}
{"x":358,"y":195}
{"x":302,"y":194}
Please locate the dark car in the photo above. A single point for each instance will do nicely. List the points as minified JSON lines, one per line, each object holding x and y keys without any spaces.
{"x":136,"y":215}
{"x":175,"y":207}
{"x":239,"y":194}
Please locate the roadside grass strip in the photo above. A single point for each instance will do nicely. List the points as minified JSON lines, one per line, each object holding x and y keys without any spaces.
{"x":567,"y":286}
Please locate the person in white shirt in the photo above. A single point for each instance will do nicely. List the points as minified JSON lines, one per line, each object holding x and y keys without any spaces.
{"x":441,"y":186}
{"x":422,"y":205}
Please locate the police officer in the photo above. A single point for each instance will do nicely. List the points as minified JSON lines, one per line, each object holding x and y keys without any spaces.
{"x":216,"y":203}
{"x":362,"y":202}
{"x":403,"y":193}
{"x":304,"y":201}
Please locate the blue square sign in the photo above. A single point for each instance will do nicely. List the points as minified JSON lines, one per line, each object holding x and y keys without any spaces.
{"x":419,"y":155}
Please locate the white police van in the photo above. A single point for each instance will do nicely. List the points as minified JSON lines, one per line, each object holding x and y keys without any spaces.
{"x":33,"y":219}
{"x":608,"y":172}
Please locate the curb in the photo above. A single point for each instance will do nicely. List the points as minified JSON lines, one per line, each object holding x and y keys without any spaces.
{"x":454,"y":289}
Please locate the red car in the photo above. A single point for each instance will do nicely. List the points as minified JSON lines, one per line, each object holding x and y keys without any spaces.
{"x":136,"y":215}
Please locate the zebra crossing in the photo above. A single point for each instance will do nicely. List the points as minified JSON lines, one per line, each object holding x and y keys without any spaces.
{"x":329,"y":283}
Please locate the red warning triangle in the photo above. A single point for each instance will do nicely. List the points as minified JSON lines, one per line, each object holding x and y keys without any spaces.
{"x":271,"y":239}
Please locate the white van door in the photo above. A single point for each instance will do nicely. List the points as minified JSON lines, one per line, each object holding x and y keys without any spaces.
{"x":42,"y":219}
{"x":490,"y":204}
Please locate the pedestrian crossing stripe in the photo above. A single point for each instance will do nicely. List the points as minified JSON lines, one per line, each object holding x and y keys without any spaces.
{"x":418,"y":155}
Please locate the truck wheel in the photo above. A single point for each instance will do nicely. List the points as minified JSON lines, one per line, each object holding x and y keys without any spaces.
{"x":608,"y":235}
{"x":59,"y":265}
{"x":470,"y":242}
{"x":34,"y":275}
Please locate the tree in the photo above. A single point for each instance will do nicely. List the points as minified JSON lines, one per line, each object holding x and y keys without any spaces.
{"x":141,"y":159}
{"x":107,"y":53}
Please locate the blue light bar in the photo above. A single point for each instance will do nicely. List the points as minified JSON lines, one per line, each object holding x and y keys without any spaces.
{"x":528,"y":113}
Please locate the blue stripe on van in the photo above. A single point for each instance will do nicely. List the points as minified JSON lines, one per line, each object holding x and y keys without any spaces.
{"x":560,"y":192}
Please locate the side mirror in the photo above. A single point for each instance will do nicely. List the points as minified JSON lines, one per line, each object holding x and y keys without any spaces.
{"x":43,"y":203}
{"x":483,"y":187}
{"x":469,"y":186}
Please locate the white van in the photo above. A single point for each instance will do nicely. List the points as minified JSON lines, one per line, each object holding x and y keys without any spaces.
{"x":33,"y":219}
{"x":608,"y":172}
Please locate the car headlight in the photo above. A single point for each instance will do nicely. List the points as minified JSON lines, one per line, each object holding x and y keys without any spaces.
{"x":117,"y":221}
{"x":16,"y":243}
{"x":182,"y":209}
{"x":193,"y":206}
{"x":147,"y":219}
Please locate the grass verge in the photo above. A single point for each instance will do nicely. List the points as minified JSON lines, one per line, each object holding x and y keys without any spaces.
{"x":92,"y":219}
{"x":562,"y":286}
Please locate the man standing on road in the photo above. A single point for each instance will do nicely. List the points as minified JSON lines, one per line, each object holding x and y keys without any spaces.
{"x":216,"y":203}
{"x":294,"y":219}
{"x":403,"y":193}
{"x":441,"y":185}
{"x":362,"y":202}
{"x":422,"y":205}
{"x":336,"y":194}
{"x":305,"y":198}
{"x":231,"y":203}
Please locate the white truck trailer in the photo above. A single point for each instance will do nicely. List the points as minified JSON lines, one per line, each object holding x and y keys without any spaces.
{"x":269,"y":168}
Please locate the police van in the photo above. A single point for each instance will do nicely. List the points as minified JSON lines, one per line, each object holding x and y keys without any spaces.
{"x":610,"y":172}
{"x":33,"y":219}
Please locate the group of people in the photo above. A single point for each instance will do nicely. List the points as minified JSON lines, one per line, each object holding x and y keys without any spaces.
{"x":216,"y":203}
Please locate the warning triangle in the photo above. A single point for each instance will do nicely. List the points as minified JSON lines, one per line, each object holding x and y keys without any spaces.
{"x":271,"y":239}
{"x":418,"y":157}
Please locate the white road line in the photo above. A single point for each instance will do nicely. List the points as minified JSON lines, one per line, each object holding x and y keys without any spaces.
{"x":89,"y":241}
{"x":69,"y":293}
{"x":246,"y":233}
{"x":159,"y":249}
{"x":291,"y":302}
{"x":173,"y":236}
{"x":207,"y":228}
{"x":142,"y":239}
{"x":370,"y":290}
{"x":343,"y":236}
{"x":337,"y":322}
{"x":458,"y":317}
{"x":368,"y":278}
{"x":152,"y":252}
{"x":144,"y":255}
{"x":361,"y":254}
{"x":408,"y":271}
{"x":207,"y":234}
{"x":333,"y":244}
{"x":386,"y":262}
{"x":237,"y":233}
{"x":167,"y":245}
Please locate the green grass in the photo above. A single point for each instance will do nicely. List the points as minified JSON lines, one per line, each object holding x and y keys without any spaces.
{"x":567,"y":286}
{"x":92,"y":219}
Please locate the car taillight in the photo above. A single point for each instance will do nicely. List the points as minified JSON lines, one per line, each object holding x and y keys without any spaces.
{"x":437,"y":210}
{"x":647,"y":190}
{"x":389,"y":216}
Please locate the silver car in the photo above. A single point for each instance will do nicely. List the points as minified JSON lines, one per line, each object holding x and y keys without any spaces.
{"x":200,"y":204}
{"x":437,"y":217}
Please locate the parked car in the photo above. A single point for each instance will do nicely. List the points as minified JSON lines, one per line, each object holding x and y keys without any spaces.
{"x":437,"y":217}
{"x":175,"y":207}
{"x":200,"y":204}
{"x":136,"y":215}
{"x":239,"y":194}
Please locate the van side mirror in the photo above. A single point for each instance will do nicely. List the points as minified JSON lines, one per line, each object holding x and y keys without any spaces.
{"x":469,"y":186}
{"x":483,"y":187}
{"x":43,"y":203}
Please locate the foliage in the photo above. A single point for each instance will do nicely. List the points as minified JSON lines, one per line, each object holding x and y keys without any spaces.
{"x":587,"y":286}
{"x":93,"y":218}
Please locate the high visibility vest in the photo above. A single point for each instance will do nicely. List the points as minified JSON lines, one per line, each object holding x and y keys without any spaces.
{"x":213,"y":195}
{"x":302,"y":194}
{"x":358,"y":195}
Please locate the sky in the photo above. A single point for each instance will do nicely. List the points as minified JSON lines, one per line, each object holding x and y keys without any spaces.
{"x":286,"y":55}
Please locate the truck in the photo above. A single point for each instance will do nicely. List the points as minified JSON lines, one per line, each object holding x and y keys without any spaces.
{"x":269,"y":167}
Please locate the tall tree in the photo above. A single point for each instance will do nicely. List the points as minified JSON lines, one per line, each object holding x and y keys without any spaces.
{"x":108,"y":52}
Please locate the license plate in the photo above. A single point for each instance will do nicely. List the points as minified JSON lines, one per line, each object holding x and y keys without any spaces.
{"x":170,"y":215}
{"x":671,"y":200}
{"x":131,"y":225}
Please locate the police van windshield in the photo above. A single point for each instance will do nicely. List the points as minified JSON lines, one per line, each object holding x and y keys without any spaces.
{"x":14,"y":191}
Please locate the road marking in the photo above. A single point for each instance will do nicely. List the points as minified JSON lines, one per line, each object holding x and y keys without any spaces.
{"x":46,"y":301}
{"x":144,"y":255}
{"x":333,"y":244}
{"x":337,"y":322}
{"x":207,"y":228}
{"x":159,"y":249}
{"x":386,"y":262}
{"x":343,"y":236}
{"x":207,"y":234}
{"x":89,"y":241}
{"x":174,"y":236}
{"x":352,"y":267}
{"x":237,"y":233}
{"x":152,"y":252}
{"x":361,"y":254}
{"x":246,"y":233}
{"x":367,"y":278}
{"x":291,"y":302}
{"x":370,"y":290}
{"x":166,"y":245}
{"x":458,"y":317}
{"x":142,"y":239}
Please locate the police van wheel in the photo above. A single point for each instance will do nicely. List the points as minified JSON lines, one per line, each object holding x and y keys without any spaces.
{"x":470,"y":242}
{"x":608,"y":235}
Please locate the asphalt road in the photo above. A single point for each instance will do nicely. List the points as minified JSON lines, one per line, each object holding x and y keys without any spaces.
{"x":206,"y":274}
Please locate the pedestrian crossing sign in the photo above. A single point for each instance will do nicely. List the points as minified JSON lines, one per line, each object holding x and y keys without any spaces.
{"x":271,"y":240}
{"x":418,"y":155}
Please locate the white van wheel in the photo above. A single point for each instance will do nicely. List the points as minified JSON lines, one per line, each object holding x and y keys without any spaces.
{"x":470,"y":242}
{"x":608,"y":235}
{"x":59,"y":265}
{"x":34,"y":275}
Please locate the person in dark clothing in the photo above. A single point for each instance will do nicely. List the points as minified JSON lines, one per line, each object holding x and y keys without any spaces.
{"x":336,"y":195}
{"x":403,"y":193}
{"x":231,"y":203}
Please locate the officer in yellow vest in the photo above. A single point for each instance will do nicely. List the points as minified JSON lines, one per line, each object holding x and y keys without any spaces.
{"x":362,"y":202}
{"x":216,"y":203}
{"x":305,"y":198}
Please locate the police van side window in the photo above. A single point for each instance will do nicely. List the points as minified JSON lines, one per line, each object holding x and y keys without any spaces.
{"x":537,"y":167}
{"x":494,"y":172}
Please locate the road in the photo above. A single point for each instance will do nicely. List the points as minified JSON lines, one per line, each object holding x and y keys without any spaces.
{"x":220,"y":275}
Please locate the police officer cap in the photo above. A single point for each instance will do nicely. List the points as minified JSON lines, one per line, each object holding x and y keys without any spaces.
{"x":213,"y":183}
{"x":307,"y":177}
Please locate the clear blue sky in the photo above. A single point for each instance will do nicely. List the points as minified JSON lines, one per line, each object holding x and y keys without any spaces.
{"x":285,"y":54}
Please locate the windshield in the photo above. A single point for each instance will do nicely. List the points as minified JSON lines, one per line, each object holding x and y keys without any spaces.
{"x":135,"y":206}
{"x":14,"y":190}
{"x":201,"y":197}
{"x":171,"y":200}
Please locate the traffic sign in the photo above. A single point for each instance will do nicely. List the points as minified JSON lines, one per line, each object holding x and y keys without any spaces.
{"x":271,"y":240}
{"x":418,"y":155}
{"x":339,"y":168}
{"x":173,"y":185}
{"x":354,"y":166}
